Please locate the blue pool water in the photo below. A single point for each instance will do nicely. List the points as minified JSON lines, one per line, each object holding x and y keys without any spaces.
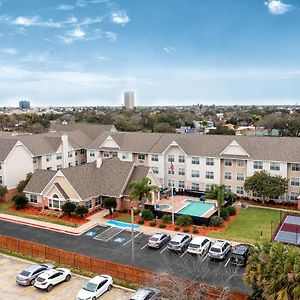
{"x":122,"y":224}
{"x":195,"y":208}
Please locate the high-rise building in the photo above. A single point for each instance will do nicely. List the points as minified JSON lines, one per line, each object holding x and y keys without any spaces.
{"x":24,"y":104}
{"x":129,"y":99}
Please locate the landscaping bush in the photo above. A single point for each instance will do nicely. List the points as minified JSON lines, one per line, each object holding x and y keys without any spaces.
{"x":141,"y":221}
{"x":166,"y":218}
{"x":162,"y":225}
{"x":125,"y":210}
{"x":81,"y":210}
{"x":22,"y":184}
{"x":184,"y":220}
{"x":224,"y":213}
{"x":3,"y":190}
{"x":186,"y":230}
{"x":195,"y":231}
{"x":20,"y":201}
{"x":232,"y":210}
{"x":176,"y":228}
{"x":147,"y":214}
{"x":153,"y":223}
{"x":136,"y":212}
{"x":68,"y":207}
{"x":216,"y":221}
{"x":110,"y":203}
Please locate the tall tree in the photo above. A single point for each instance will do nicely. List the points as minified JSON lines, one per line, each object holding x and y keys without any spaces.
{"x":3,"y":190}
{"x":217,"y":192}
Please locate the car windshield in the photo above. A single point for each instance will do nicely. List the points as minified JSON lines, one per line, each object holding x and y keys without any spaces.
{"x":194,"y":246}
{"x":39,"y":279}
{"x":154,"y":239}
{"x":90,"y":287}
{"x":214,"y":249}
{"x":25,"y":273}
{"x":174,"y":243}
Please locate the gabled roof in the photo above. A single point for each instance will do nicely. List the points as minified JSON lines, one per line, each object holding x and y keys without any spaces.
{"x":39,"y":180}
{"x":6,"y":145}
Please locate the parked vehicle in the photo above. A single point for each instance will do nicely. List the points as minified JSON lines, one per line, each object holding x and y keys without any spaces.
{"x":146,"y":293}
{"x":199,"y":245}
{"x":179,"y":242}
{"x":239,"y":255}
{"x":95,"y":287}
{"x":219,"y":249}
{"x":158,"y":240}
{"x":29,"y":274}
{"x":50,"y":278}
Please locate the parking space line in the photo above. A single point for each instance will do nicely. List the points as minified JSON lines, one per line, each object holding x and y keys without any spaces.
{"x":114,"y":235}
{"x":105,"y":230}
{"x":183,"y":253}
{"x":204,"y":257}
{"x":227,"y":262}
{"x":144,"y":246}
{"x":131,"y":239}
{"x":163,"y":249}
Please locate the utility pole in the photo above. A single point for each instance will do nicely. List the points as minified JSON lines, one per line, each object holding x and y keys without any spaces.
{"x":132,"y":236}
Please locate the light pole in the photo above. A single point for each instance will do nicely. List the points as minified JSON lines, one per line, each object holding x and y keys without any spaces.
{"x":132,"y":236}
{"x":173,"y":217}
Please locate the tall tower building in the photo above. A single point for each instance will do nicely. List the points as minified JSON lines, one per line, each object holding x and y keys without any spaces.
{"x":24,"y":104}
{"x":129,"y":99}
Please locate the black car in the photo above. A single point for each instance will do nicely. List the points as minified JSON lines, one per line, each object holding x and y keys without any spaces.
{"x":158,"y":240}
{"x":239,"y":255}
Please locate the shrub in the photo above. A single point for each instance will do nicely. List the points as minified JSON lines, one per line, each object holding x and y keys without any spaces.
{"x":110,"y":203}
{"x":162,"y":225}
{"x":186,"y":230}
{"x":20,"y":201}
{"x":166,"y":218}
{"x":195,"y":231}
{"x":176,"y":228}
{"x":153,"y":223}
{"x":184,"y":220}
{"x":232,"y":210}
{"x":141,"y":221}
{"x":224,"y":213}
{"x":81,"y":210}
{"x":125,"y":210}
{"x":68,"y":207}
{"x":216,"y":221}
{"x":22,"y":184}
{"x":136,"y":212}
{"x":3,"y":191}
{"x":147,"y":214}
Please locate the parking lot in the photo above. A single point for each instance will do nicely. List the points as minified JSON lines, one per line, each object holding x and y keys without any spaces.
{"x":9,"y":289}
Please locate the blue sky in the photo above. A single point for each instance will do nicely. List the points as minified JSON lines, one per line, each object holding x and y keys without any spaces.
{"x":170,"y":52}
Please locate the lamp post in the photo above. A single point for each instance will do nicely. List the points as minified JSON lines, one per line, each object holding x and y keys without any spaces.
{"x":132,"y":236}
{"x":173,"y":217}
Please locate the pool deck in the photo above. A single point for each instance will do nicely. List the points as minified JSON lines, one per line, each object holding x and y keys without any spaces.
{"x":179,"y":204}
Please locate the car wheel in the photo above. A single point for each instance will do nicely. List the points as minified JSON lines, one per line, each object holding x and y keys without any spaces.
{"x":68,"y":277}
{"x":109,"y":287}
{"x":94,"y":298}
{"x":32,"y":281}
{"x":49,"y":288}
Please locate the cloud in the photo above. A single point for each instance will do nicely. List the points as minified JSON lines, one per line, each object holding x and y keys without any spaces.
{"x":111,"y":36}
{"x":64,"y":7}
{"x":9,"y":51}
{"x":277,"y":7}
{"x":84,"y":3}
{"x":169,"y":49}
{"x":120,"y":17}
{"x":31,"y":21}
{"x":36,"y":57}
{"x":25,"y":21}
{"x":73,"y":35}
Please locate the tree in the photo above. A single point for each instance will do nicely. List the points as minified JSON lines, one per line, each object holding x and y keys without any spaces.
{"x":222,"y":130}
{"x":141,"y":190}
{"x":273,"y":271}
{"x":110,"y":203}
{"x":81,"y":210}
{"x":266,"y":185}
{"x":217,"y":192}
{"x":20,"y":201}
{"x":22,"y":184}
{"x":3,"y":190}
{"x":163,"y":127}
{"x":68,"y":207}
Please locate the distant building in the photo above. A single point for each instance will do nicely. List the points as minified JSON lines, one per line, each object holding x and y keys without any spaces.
{"x":129,"y":99}
{"x":24,"y":104}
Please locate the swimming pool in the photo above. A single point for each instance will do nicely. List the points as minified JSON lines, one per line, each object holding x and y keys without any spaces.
{"x":122,"y":224}
{"x":195,"y":208}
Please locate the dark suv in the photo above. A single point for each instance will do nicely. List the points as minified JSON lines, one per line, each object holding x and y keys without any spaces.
{"x":240,"y":255}
{"x":180,"y":242}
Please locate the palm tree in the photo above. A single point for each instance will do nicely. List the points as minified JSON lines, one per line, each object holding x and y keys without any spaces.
{"x":218,"y":193}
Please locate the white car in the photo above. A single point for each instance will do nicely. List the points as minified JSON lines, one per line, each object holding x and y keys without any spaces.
{"x":50,"y":278}
{"x":95,"y":287}
{"x":199,"y":245}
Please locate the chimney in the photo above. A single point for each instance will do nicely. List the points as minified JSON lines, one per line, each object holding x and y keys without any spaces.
{"x":99,"y":162}
{"x":65,"y":150}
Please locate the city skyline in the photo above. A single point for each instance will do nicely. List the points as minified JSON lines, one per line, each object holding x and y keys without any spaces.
{"x":88,"y":52}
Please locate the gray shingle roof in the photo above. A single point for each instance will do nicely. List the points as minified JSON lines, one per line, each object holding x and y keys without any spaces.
{"x":6,"y":145}
{"x":39,"y":180}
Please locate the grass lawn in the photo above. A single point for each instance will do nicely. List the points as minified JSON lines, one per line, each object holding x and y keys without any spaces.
{"x":126,"y":219}
{"x":248,"y":225}
{"x":4,"y":209}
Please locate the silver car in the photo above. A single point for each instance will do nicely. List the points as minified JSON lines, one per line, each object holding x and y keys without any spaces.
{"x":146,"y":293}
{"x":219,"y":249}
{"x":28,"y":275}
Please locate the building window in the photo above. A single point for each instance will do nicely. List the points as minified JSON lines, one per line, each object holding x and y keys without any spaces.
{"x":275,"y":166}
{"x":170,"y":171}
{"x":88,"y":204}
{"x":210,"y":161}
{"x":106,"y":154}
{"x":195,"y":174}
{"x":92,"y":153}
{"x":228,"y":162}
{"x":171,"y":182}
{"x":208,"y":187}
{"x":295,"y":181}
{"x":48,"y":168}
{"x":55,"y":202}
{"x":76,"y":153}
{"x":58,"y":156}
{"x":70,"y":154}
{"x":181,"y":158}
{"x":296,"y":167}
{"x":257,"y":164}
{"x":155,"y":170}
{"x":209,"y":175}
{"x":240,"y":176}
{"x":58,"y":167}
{"x":294,"y":195}
{"x":195,"y":186}
{"x":240,"y":163}
{"x":181,"y":171}
{"x":115,"y":154}
{"x":82,"y":151}
{"x":240,"y":190}
{"x":70,"y":164}
{"x":125,"y":155}
{"x":1,"y":180}
{"x":227,"y":188}
{"x":33,"y":198}
{"x":48,"y":157}
{"x":141,"y":156}
{"x":76,"y":163}
{"x":0,"y":166}
{"x":181,"y":184}
{"x":195,"y":160}
{"x":97,"y":201}
{"x":154,"y":157}
{"x":34,"y":160}
{"x":82,"y":162}
{"x":228,"y":175}
{"x":171,"y":158}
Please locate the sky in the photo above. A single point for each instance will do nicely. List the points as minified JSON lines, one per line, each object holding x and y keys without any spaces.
{"x":170,"y":52}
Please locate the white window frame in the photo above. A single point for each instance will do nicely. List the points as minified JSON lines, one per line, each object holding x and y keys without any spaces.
{"x":181,"y":159}
{"x":155,"y":170}
{"x":181,"y":171}
{"x":48,"y":157}
{"x":58,"y":156}
{"x":274,"y":166}
{"x":89,"y":204}
{"x":92,"y":153}
{"x":228,"y":175}
{"x":240,"y":163}
{"x":125,"y":155}
{"x":210,"y":161}
{"x":295,"y":181}
{"x":195,"y":174}
{"x":296,"y":167}
{"x":195,"y":160}
{"x":209,"y":175}
{"x":240,"y":190}
{"x":33,"y":198}
{"x":239,"y":177}
{"x":181,"y":184}
{"x":98,"y":201}
{"x":154,"y":157}
{"x":171,"y":158}
{"x":195,"y":186}
{"x":228,"y":162}
{"x":258,"y":164}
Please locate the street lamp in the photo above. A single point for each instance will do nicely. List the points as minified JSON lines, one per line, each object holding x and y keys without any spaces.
{"x":132,"y":235}
{"x":173,"y":217}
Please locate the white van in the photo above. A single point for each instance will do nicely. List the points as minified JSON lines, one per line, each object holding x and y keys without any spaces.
{"x":199,"y":245}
